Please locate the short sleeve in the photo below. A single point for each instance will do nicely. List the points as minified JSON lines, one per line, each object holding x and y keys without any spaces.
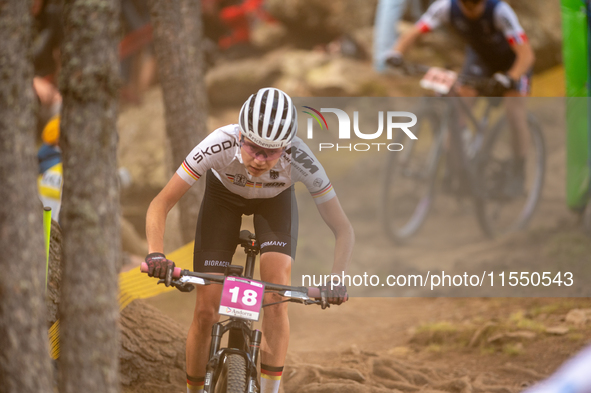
{"x":437,"y":15}
{"x":307,"y":169}
{"x":215,"y":151}
{"x":506,"y":21}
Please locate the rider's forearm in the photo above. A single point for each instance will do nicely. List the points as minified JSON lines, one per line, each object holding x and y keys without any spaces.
{"x":524,"y":61}
{"x":344,"y":242}
{"x":407,"y":39}
{"x":155,"y":224}
{"x":158,"y":210}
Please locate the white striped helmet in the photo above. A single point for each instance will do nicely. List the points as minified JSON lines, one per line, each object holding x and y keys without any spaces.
{"x":269,"y":118}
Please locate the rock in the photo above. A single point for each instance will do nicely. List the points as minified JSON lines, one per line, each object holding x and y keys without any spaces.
{"x":314,"y":21}
{"x":354,"y":350}
{"x":233,"y":82}
{"x":576,"y":317}
{"x":268,"y":36}
{"x":558,"y":330}
{"x":526,"y":334}
{"x":502,"y":337}
{"x":343,"y":77}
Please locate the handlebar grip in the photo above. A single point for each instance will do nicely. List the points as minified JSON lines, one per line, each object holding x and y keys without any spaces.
{"x":175,"y":274}
{"x":314,"y":292}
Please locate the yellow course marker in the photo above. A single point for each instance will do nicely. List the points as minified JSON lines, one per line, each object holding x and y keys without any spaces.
{"x":47,"y":233}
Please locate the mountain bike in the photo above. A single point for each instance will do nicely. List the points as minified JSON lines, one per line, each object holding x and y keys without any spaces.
{"x":473,"y":161}
{"x":233,"y":369}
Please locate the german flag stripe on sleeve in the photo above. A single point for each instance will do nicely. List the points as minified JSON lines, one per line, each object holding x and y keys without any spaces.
{"x":190,"y":171}
{"x":322,"y":192}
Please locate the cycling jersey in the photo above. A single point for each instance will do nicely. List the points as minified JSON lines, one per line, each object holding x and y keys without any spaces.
{"x":490,"y":36}
{"x":220,"y":152}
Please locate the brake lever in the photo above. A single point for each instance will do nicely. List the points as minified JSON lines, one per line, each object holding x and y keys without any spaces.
{"x":181,"y":286}
{"x":324,"y":304}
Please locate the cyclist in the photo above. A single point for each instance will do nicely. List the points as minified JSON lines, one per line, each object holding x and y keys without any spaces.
{"x":251,"y":168}
{"x":497,"y":47}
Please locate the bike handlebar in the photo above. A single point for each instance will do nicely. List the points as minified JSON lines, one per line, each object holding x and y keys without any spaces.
{"x":416,"y":69}
{"x":312,"y":292}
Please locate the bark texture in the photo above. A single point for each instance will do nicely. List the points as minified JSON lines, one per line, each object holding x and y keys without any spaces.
{"x":152,"y":350}
{"x":177,"y":43}
{"x":54,"y":277}
{"x":90,"y":209}
{"x":24,"y":360}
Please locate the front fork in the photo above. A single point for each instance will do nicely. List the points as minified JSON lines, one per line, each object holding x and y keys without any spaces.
{"x":236,"y":341}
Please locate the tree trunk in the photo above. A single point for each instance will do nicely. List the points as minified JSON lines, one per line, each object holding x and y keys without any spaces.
{"x":180,"y":65}
{"x":90,"y":209}
{"x":24,"y":357}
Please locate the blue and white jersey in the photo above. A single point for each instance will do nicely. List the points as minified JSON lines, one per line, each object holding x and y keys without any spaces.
{"x":490,"y":36}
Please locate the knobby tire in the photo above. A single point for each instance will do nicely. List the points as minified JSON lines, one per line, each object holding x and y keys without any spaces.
{"x":519,"y":216}
{"x":232,"y":378}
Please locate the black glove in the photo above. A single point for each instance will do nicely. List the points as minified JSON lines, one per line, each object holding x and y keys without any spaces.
{"x":337,"y":295}
{"x":500,"y":84}
{"x":160,"y":267}
{"x":394,"y":59}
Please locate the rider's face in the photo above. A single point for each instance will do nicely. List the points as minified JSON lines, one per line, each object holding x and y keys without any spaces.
{"x":257,"y":163}
{"x":472,"y":10}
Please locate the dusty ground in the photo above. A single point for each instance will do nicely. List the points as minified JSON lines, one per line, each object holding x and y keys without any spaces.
{"x":375,"y":344}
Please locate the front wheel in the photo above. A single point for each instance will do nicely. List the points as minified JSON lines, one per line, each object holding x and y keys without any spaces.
{"x":506,"y":202}
{"x":232,"y":378}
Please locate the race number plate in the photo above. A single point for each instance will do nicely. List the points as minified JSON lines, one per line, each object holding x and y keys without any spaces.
{"x":242,"y":298}
{"x":439,"y":80}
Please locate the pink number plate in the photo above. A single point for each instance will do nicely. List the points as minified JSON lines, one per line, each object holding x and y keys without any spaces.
{"x":242,"y":298}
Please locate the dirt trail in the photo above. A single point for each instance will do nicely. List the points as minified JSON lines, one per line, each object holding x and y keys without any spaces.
{"x":432,"y":344}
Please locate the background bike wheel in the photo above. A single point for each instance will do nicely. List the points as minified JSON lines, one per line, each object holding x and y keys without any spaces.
{"x":497,"y":211}
{"x":409,"y":181}
{"x":232,"y":378}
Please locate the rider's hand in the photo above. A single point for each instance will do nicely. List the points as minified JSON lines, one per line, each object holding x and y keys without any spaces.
{"x":159,"y":266}
{"x":337,"y":295}
{"x":394,"y":59}
{"x":501,"y":84}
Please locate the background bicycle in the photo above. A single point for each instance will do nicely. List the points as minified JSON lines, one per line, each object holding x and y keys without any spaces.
{"x":465,"y":148}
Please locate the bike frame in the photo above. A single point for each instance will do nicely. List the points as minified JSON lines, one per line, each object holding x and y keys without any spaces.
{"x":242,"y":339}
{"x":462,"y":165}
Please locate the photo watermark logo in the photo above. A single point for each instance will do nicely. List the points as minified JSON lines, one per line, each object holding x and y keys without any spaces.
{"x":391,"y":118}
